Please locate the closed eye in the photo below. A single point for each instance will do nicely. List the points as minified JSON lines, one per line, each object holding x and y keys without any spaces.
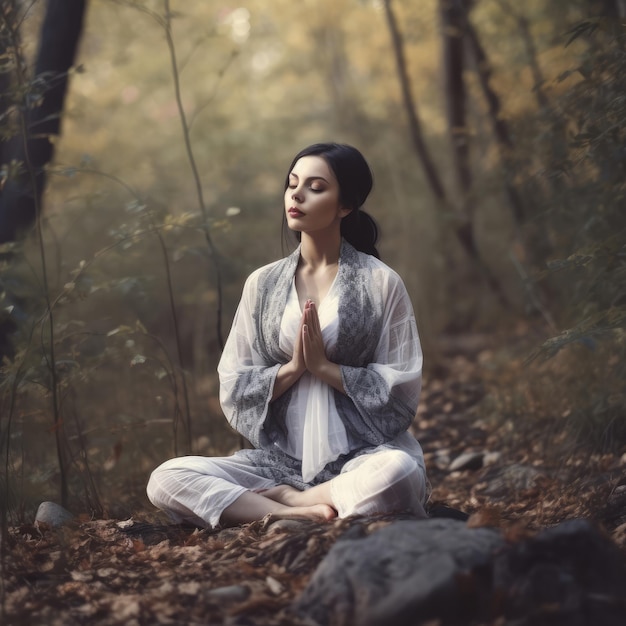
{"x":311,"y":181}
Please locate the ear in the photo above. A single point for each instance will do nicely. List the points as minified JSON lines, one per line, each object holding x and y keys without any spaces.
{"x":344,"y":212}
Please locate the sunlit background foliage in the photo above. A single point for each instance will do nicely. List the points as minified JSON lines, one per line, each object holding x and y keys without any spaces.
{"x":132,"y":281}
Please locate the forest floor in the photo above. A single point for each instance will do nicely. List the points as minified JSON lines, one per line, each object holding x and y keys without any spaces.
{"x":516,"y":475}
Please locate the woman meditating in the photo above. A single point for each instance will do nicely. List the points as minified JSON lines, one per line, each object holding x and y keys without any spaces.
{"x":321,"y":372}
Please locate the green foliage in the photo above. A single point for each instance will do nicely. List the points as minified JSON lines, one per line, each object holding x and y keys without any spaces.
{"x":585,"y":222}
{"x":100,"y":346}
{"x":119,"y":379}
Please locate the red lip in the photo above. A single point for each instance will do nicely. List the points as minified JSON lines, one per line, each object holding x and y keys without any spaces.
{"x":295,"y":212}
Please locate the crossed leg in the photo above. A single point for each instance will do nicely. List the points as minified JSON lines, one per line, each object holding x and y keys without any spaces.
{"x":281,"y":503}
{"x":232,"y":490}
{"x":384,"y":482}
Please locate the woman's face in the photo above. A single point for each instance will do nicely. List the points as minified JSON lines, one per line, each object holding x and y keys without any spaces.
{"x":312,"y":197}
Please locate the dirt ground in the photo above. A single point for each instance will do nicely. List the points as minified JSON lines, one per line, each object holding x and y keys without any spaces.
{"x":140,"y":571}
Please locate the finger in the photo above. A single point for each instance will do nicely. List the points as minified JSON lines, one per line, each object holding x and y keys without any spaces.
{"x":308,"y":319}
{"x":314,"y":332}
{"x":310,"y":341}
{"x":306,"y":342}
{"x":315,"y":343}
{"x":316,"y":320}
{"x":298,"y":353}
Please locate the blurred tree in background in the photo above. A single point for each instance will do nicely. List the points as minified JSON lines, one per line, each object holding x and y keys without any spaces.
{"x":520,"y":110}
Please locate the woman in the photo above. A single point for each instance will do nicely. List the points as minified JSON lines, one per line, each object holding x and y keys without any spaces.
{"x":321,"y":372}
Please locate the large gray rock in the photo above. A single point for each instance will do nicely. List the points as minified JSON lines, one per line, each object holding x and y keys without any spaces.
{"x":439,"y":569}
{"x":569,"y":575}
{"x":426,"y":568}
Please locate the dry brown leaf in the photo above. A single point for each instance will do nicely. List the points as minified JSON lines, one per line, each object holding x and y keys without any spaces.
{"x":485,"y":517}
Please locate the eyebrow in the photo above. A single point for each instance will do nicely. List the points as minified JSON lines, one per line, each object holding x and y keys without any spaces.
{"x":309,"y":179}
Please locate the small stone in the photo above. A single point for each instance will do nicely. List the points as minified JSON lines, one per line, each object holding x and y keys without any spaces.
{"x":275,"y":586}
{"x":491,"y":457}
{"x":442,"y":458}
{"x":124,"y":524}
{"x":501,"y":480}
{"x":189,"y":588}
{"x":53,"y":514}
{"x":467,"y":461}
{"x":287,"y":524}
{"x":232,"y":593}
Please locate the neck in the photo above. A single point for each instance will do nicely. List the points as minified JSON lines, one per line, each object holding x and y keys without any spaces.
{"x":320,"y":251}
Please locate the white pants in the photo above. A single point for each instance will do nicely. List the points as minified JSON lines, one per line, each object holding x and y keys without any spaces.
{"x":197,"y":489}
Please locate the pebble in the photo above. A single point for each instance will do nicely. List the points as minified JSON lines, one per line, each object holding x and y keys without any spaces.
{"x":53,"y":514}
{"x":467,"y":461}
{"x":232,"y":593}
{"x":287,"y":524}
{"x":491,"y":458}
{"x":275,"y":586}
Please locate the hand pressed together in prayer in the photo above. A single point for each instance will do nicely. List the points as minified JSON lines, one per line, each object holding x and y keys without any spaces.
{"x":312,"y":343}
{"x":313,"y":351}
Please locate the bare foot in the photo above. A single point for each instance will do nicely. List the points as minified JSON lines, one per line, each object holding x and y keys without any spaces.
{"x":285,"y":494}
{"x":317,"y":512}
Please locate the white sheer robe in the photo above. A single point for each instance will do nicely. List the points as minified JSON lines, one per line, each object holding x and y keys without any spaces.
{"x":382,"y":394}
{"x":316,"y":434}
{"x":312,"y":434}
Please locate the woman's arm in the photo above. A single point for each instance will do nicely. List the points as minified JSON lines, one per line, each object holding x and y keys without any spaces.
{"x":308,"y":354}
{"x":287,"y":376}
{"x":381,"y":397}
{"x":247,"y":377}
{"x":289,"y":373}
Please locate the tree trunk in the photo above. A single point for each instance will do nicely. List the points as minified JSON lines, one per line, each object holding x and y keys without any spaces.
{"x":9,"y":36}
{"x":500,"y":127}
{"x":464,"y":231}
{"x":38,"y":114}
{"x":531,"y":53}
{"x":454,"y":31}
{"x":608,"y":8}
{"x":415,"y":130}
{"x":43,"y":105}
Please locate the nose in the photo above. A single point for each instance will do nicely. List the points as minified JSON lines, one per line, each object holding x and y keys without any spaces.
{"x":296,"y":195}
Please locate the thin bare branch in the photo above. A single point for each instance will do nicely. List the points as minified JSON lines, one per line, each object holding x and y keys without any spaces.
{"x":194,"y":169}
{"x":216,"y":86}
{"x":415,"y":128}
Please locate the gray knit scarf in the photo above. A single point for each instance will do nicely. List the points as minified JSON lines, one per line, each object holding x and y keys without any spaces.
{"x":371,"y":415}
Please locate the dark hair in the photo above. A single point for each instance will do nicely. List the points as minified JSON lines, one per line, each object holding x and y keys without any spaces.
{"x":355,"y":183}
